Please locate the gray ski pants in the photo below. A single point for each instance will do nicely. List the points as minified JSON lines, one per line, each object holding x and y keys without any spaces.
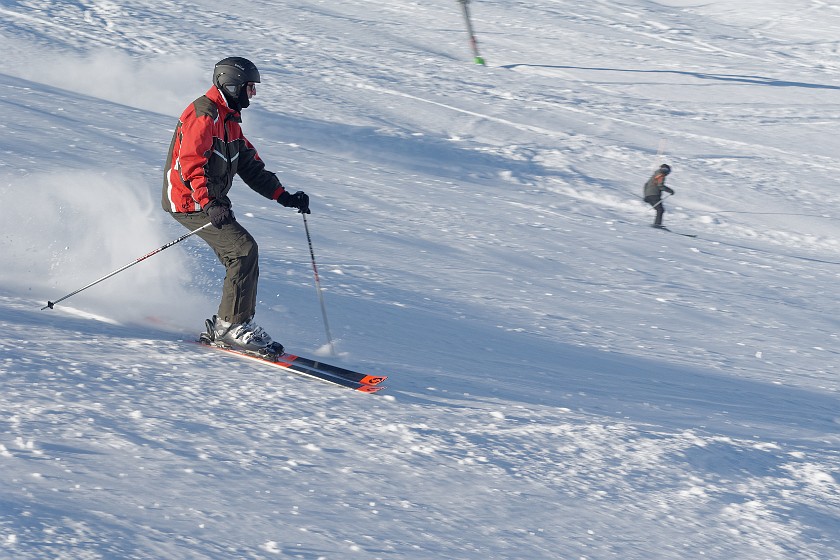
{"x":238,"y":251}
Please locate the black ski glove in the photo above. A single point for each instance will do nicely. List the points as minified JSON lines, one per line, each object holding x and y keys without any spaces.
{"x":299,"y":200}
{"x":668,"y":190}
{"x":219,"y":214}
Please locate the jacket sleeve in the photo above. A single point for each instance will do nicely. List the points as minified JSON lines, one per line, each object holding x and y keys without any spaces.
{"x":252,"y":170}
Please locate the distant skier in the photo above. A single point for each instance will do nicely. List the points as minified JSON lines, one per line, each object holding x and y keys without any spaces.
{"x":653,"y":192}
{"x":207,"y":150}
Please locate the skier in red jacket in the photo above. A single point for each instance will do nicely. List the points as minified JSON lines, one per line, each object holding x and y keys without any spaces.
{"x":208,"y":149}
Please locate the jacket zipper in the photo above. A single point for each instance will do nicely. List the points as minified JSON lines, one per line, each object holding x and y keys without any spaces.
{"x":230,"y":116}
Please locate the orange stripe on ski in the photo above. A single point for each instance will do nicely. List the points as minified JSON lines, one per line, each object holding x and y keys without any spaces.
{"x":363,"y":387}
{"x":370,"y":388}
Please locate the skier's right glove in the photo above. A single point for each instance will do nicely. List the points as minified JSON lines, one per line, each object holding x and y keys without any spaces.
{"x":219,"y":214}
{"x":299,"y":200}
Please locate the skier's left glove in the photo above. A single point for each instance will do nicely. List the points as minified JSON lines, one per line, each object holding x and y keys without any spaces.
{"x":299,"y":200}
{"x":669,"y":190}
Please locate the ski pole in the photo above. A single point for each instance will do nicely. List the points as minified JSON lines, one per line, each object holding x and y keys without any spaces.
{"x":318,"y":286}
{"x":473,"y":43}
{"x":51,"y":304}
{"x":661,"y":200}
{"x":660,"y":152}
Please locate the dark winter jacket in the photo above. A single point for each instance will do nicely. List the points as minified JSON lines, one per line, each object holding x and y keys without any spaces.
{"x":655,"y":185}
{"x":207,"y":150}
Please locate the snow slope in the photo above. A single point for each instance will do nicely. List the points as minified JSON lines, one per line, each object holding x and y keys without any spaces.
{"x":565,"y":382}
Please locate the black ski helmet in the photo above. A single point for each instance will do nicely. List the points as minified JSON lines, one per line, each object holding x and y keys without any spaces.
{"x":230,"y":75}
{"x":665,"y":169}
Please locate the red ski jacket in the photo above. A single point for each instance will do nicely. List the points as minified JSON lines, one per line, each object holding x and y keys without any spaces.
{"x":207,"y":150}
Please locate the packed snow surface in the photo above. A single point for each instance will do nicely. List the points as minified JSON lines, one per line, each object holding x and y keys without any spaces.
{"x":565,"y":382}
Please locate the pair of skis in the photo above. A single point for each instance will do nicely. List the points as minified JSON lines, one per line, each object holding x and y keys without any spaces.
{"x":306,"y":367}
{"x":663,"y":228}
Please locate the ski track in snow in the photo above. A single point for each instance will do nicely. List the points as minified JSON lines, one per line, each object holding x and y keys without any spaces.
{"x":564,"y":381}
